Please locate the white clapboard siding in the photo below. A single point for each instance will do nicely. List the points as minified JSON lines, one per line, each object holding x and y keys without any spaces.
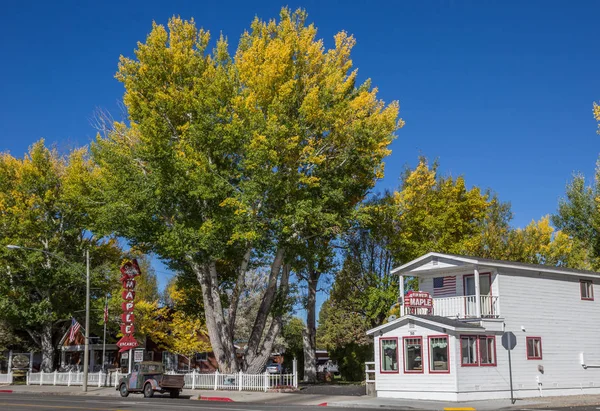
{"x":413,"y":384}
{"x":547,"y":306}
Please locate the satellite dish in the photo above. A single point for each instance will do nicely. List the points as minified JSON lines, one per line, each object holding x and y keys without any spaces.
{"x":392,"y":317}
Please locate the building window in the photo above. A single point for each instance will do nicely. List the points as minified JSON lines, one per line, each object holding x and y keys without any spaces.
{"x":413,"y":354}
{"x":389,"y":354}
{"x":487,"y":351}
{"x":201,"y":356}
{"x":534,"y":348}
{"x":587,"y":290}
{"x":438,"y":353}
{"x":468,"y":350}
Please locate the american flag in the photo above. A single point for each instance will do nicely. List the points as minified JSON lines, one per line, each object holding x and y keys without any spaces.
{"x":75,"y":326}
{"x":106,"y":313}
{"x":444,"y":285}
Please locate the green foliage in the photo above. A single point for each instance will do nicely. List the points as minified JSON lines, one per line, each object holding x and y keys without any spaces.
{"x":436,"y":213}
{"x":292,"y":337}
{"x":261,"y":150}
{"x":351,"y":360}
{"x":40,"y":209}
{"x":579,"y":216}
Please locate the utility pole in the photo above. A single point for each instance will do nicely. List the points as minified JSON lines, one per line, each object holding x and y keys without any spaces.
{"x":86,"y":354}
{"x":105,"y":318}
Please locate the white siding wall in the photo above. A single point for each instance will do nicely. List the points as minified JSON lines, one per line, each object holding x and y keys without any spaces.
{"x":547,"y":306}
{"x":425,"y":385}
{"x":426,"y":284}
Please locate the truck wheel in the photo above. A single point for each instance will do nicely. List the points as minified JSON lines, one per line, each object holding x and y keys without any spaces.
{"x":148,"y":391}
{"x":174,"y":393}
{"x":123,"y":390}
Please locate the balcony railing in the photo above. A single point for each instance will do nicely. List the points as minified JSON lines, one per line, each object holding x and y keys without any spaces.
{"x":463,"y":307}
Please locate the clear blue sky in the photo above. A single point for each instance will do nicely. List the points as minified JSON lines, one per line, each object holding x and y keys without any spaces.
{"x":500,"y":91}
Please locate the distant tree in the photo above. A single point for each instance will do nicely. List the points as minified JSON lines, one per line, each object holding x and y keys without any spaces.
{"x":579,"y":217}
{"x":292,"y":335}
{"x":40,"y":208}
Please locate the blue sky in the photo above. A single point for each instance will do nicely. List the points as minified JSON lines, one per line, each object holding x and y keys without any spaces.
{"x":500,"y":91}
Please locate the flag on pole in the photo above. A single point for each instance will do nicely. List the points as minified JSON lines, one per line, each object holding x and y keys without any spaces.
{"x":75,"y":326}
{"x":106,"y":313}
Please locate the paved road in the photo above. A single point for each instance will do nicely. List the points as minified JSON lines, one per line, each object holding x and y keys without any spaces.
{"x":26,"y":402}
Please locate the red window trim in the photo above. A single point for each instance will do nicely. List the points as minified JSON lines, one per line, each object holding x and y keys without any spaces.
{"x":429,"y":352}
{"x":412,"y":337}
{"x":381,"y":371}
{"x":495,"y":363}
{"x":591,"y":289}
{"x":527,"y":348}
{"x":462,"y":364}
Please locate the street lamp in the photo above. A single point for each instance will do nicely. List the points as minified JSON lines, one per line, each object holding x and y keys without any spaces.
{"x":86,"y":354}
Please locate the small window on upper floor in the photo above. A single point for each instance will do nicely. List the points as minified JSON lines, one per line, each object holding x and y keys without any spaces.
{"x":587,"y":289}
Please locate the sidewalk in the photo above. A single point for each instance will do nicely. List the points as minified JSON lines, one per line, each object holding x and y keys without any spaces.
{"x":316,"y":399}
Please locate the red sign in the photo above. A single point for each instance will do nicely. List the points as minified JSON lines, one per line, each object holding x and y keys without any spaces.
{"x":414,"y":301}
{"x":128,"y":284}
{"x":127,"y":329}
{"x":418,"y":299}
{"x":130,"y":269}
{"x":127,"y":343}
{"x":128,"y":318}
{"x":128,"y":306}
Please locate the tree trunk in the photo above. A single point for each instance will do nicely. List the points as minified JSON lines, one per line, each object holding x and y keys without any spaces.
{"x":309,"y":335}
{"x":219,"y":331}
{"x":48,"y":349}
{"x":257,"y":364}
{"x":254,"y":352}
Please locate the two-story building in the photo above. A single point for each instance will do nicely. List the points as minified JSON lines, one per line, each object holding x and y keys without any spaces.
{"x":447,"y":342}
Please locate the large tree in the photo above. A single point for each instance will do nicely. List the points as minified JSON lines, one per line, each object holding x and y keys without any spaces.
{"x":232,"y":162}
{"x":41,"y":290}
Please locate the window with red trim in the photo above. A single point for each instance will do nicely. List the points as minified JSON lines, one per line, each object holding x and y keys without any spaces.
{"x":468,"y":350}
{"x":438,"y":354}
{"x":586,"y":288}
{"x":487,"y":351}
{"x":388,"y":354}
{"x":413,"y":354}
{"x":534,"y":348}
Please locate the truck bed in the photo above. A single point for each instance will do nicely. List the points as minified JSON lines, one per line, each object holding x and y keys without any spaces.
{"x":171,"y":381}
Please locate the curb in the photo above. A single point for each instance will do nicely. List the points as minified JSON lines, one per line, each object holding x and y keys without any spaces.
{"x":7,"y":391}
{"x":218,"y":399}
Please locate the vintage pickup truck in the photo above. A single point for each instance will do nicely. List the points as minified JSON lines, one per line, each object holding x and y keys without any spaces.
{"x":148,"y":378}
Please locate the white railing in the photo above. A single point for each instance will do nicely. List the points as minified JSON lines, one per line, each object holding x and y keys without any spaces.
{"x":6,"y":378}
{"x":98,"y":379}
{"x":370,"y":371}
{"x":213,"y":381}
{"x":465,"y":307}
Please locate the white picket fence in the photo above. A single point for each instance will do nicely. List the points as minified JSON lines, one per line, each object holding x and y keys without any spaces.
{"x":213,"y":381}
{"x":239,"y":381}
{"x":98,"y":379}
{"x":6,"y":378}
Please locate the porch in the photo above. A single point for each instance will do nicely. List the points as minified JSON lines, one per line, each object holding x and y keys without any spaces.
{"x":460,"y":307}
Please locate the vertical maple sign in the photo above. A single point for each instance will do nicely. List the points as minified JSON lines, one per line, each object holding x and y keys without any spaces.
{"x":129,"y":271}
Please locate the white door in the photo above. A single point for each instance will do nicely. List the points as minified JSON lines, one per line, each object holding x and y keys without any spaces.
{"x":485,"y":289}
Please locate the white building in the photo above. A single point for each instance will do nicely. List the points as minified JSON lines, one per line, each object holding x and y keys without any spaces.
{"x":453,"y":350}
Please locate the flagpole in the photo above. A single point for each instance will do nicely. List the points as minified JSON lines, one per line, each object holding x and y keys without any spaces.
{"x":104,"y":340}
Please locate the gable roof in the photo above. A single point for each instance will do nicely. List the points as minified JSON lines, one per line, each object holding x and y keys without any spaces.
{"x":434,"y":320}
{"x":469,"y":260}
